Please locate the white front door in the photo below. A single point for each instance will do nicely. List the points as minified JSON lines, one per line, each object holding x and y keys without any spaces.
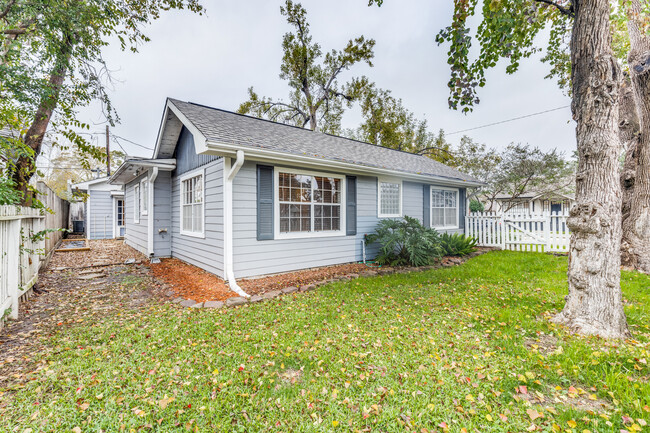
{"x":119,"y":217}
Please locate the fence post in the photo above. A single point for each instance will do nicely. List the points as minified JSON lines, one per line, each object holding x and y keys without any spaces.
{"x":13,"y":262}
{"x":504,"y":232}
{"x":547,"y":232}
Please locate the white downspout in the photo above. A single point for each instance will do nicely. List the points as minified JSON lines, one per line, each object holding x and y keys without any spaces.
{"x":229,"y":175}
{"x":150,"y":207}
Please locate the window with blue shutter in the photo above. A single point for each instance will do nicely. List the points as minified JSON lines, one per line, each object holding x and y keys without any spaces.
{"x":426,"y":210}
{"x":265,"y":194}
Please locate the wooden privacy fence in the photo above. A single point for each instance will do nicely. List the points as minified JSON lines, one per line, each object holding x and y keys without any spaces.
{"x":545,"y":232}
{"x":21,"y":255}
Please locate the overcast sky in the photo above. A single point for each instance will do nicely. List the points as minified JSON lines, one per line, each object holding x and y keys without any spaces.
{"x":213,"y":59}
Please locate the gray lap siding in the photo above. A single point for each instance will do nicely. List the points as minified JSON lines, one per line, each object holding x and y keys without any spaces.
{"x":253,"y":257}
{"x":206,"y":252}
{"x":136,"y":232}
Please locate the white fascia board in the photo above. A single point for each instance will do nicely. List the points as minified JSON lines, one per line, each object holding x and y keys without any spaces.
{"x":270,"y":156}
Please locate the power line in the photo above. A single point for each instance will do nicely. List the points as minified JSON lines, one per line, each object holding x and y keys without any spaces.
{"x":509,"y":120}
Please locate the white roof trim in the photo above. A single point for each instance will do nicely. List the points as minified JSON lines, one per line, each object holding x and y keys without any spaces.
{"x":199,"y":139}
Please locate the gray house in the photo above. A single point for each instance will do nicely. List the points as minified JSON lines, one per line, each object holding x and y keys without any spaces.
{"x":104,"y":212}
{"x":240,"y":196}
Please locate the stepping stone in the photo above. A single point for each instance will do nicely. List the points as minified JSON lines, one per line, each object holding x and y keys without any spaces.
{"x":308,"y":288}
{"x":197,"y":305}
{"x":288,"y":290}
{"x":129,"y":261}
{"x":187,"y":303}
{"x":256,"y":298}
{"x":91,"y":276}
{"x":169,"y":293}
{"x":213,"y":304}
{"x":233,"y":302}
{"x":351,"y":276}
{"x":272,"y":294}
{"x":178,"y":300}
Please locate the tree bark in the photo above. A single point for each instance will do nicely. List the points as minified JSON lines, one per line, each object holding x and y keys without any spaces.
{"x":594,"y":305}
{"x":630,"y":135}
{"x":26,"y":165}
{"x":635,"y":245}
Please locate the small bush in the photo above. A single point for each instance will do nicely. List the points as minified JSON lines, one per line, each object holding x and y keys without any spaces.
{"x":457,"y":244}
{"x":405,"y":242}
{"x":476,"y":206}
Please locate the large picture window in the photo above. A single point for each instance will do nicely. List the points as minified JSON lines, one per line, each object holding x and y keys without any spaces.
{"x":389,"y":198}
{"x":192,"y":205}
{"x":309,"y":204}
{"x":444,"y":208}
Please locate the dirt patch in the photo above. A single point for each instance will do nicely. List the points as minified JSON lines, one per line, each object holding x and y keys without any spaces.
{"x":257,"y":286}
{"x":102,"y":252}
{"x":544,"y":344}
{"x":191,"y":282}
{"x":572,"y":397}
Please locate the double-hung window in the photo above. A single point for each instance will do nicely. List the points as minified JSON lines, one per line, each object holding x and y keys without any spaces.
{"x":308,"y":204}
{"x":389,"y":198}
{"x":192,"y":204}
{"x":136,"y":204}
{"x":444,"y":208}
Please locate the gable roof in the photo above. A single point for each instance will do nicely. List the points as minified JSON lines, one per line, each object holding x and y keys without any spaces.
{"x":217,"y":130}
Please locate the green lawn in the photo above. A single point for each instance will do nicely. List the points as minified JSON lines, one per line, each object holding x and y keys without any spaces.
{"x":452,"y":349}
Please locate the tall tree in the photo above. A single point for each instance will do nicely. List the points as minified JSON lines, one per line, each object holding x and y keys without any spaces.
{"x":52,"y":64}
{"x":386,"y":122}
{"x":508,"y":30}
{"x":635,"y":247}
{"x":317,"y":100}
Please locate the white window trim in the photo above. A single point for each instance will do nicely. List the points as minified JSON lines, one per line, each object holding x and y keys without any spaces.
{"x":144,"y":212}
{"x":184,"y":177}
{"x":457,"y":190}
{"x":136,"y":203}
{"x":401,"y":196}
{"x":276,"y":205}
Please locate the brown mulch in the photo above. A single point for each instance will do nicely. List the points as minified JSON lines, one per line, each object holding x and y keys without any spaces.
{"x":191,"y":282}
{"x":257,"y":286}
{"x":102,"y":252}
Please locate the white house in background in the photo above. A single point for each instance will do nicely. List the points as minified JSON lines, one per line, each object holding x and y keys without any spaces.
{"x":104,"y":209}
{"x":534,"y":203}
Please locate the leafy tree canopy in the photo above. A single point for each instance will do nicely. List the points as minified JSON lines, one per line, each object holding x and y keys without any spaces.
{"x":317,"y":99}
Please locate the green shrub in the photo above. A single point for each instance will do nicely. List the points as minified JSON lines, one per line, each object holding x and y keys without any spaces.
{"x":476,"y":206}
{"x":405,"y":242}
{"x":457,"y":244}
{"x":8,"y":193}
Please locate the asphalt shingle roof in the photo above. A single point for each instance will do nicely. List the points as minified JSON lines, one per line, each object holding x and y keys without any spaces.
{"x":237,"y":129}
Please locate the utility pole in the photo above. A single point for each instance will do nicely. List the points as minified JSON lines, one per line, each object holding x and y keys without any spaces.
{"x":108,"y":153}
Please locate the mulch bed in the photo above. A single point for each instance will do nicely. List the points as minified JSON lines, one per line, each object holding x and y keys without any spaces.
{"x":257,"y":286}
{"x":191,"y":282}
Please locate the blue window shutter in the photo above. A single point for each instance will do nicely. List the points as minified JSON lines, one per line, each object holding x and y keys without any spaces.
{"x":265,"y":195}
{"x":351,"y":206}
{"x":462,"y":208}
{"x":426,"y":210}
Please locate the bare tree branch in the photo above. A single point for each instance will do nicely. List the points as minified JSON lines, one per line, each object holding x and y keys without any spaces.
{"x":5,"y":12}
{"x":568,"y":11}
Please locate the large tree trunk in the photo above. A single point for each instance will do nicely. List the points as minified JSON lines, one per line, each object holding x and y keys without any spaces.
{"x":635,"y":246}
{"x":26,"y":165}
{"x":594,"y":305}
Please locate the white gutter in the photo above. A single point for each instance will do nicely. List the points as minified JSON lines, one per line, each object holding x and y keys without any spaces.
{"x":229,"y":174}
{"x":150,"y":210}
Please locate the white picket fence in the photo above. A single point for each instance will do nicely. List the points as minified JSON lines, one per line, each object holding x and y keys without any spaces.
{"x":545,"y":232}
{"x":19,"y":256}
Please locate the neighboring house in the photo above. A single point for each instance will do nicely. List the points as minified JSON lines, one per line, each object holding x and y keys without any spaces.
{"x":240,"y":196}
{"x":534,"y":203}
{"x":104,"y":213}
